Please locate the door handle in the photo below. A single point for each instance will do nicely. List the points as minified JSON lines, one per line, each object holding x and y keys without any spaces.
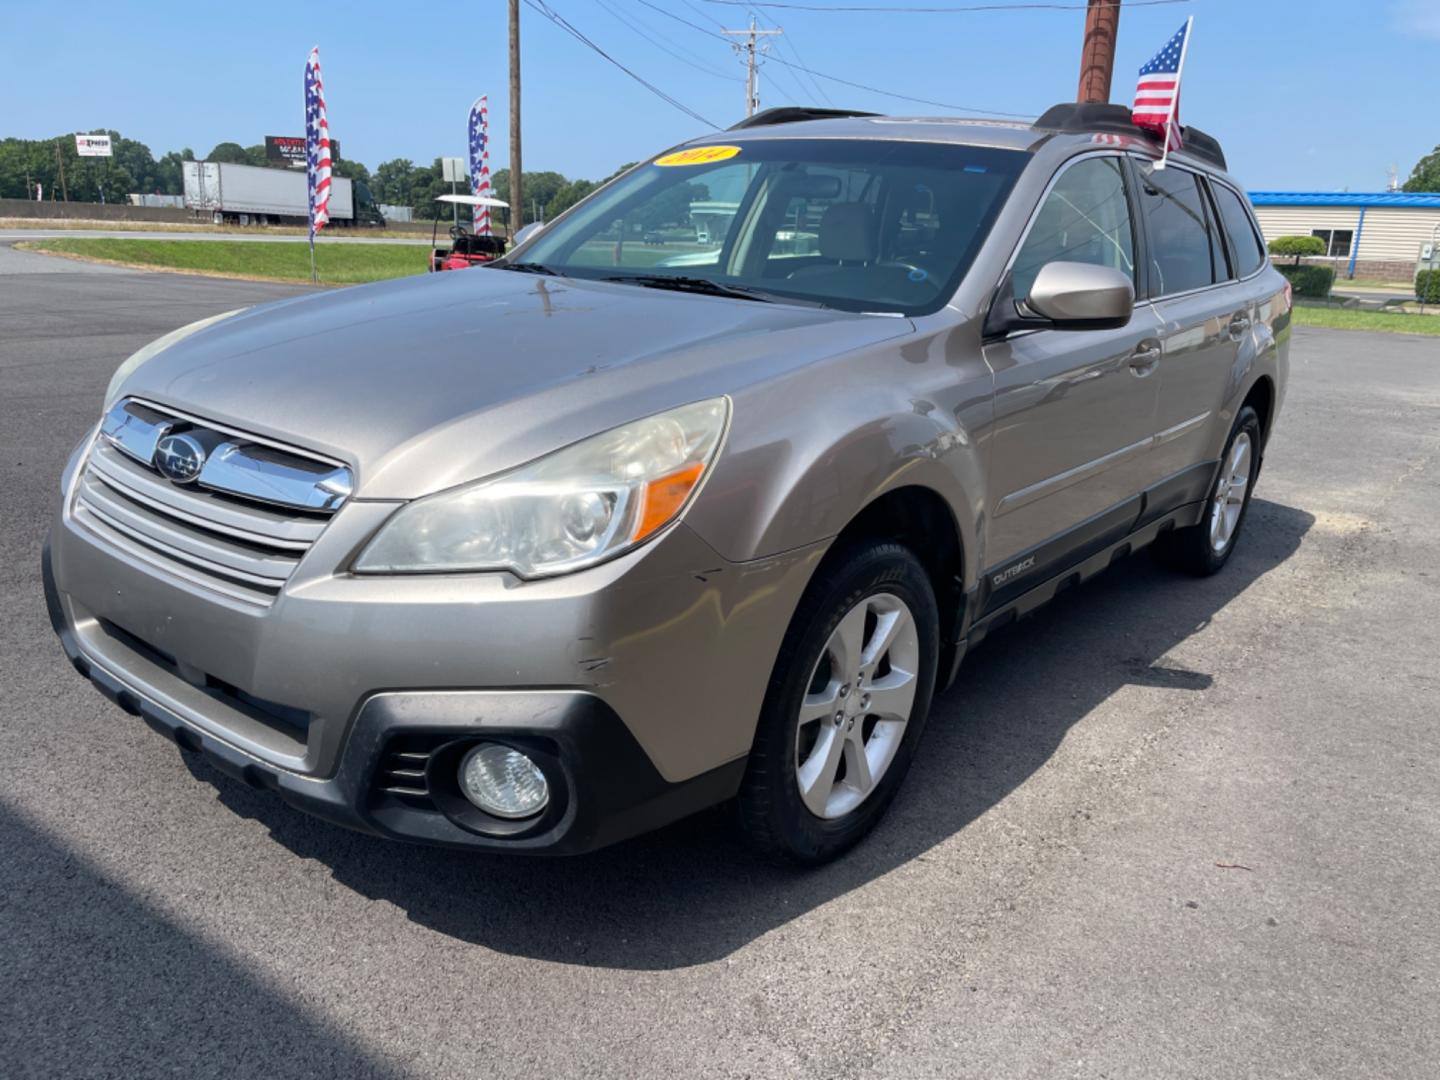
{"x":1239,"y":324}
{"x":1144,"y":358}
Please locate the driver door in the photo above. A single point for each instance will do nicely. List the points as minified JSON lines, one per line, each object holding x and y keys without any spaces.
{"x":1074,"y":409}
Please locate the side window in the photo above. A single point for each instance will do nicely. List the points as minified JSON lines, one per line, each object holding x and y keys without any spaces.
{"x":1178,"y":231}
{"x":1244,"y":244}
{"x":1220,"y":266}
{"x":1085,"y":218}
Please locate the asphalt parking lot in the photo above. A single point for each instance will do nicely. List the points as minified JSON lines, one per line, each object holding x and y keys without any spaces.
{"x":1163,"y":828}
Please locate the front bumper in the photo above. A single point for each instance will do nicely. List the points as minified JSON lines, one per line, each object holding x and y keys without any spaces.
{"x":604,"y":787}
{"x":636,"y":683}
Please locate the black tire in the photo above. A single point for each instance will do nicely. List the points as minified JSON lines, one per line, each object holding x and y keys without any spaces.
{"x":772,"y":814}
{"x":1190,"y":550}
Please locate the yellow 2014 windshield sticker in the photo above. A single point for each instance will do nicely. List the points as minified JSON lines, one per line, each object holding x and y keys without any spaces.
{"x":698,"y":155}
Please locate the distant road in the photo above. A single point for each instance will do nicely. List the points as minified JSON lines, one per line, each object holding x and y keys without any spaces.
{"x":11,"y":235}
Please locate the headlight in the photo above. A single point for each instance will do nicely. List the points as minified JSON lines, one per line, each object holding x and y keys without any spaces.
{"x":156,"y":347}
{"x":572,"y":509}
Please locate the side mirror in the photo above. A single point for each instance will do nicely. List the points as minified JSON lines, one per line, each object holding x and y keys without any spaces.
{"x":526,"y":232}
{"x":1064,"y":296}
{"x":1082,"y":296}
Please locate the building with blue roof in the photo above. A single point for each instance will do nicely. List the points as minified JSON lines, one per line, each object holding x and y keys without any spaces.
{"x":1381,"y":234}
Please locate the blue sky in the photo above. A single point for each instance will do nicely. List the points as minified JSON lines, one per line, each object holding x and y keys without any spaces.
{"x":1304,"y":94}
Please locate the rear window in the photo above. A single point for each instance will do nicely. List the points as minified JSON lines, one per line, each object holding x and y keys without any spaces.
{"x":1180,"y":241}
{"x":1244,"y":244}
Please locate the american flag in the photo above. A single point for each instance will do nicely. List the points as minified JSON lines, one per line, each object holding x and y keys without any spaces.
{"x":317,"y":145}
{"x":480,"y":160}
{"x":1157,"y":94}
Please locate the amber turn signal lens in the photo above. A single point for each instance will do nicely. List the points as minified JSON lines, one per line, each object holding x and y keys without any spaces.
{"x":664,"y":498}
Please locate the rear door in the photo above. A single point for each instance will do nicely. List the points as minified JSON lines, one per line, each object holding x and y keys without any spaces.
{"x":1204,"y":315}
{"x":1074,"y":410}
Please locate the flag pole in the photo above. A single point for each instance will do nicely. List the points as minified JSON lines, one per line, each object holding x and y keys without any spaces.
{"x":1175,"y":99}
{"x":314,"y":274}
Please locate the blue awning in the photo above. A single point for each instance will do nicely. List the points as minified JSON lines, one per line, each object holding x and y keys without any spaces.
{"x":1426,"y":200}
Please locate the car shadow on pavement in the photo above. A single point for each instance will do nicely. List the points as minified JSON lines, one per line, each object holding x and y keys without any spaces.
{"x":692,"y":893}
{"x":102,"y":981}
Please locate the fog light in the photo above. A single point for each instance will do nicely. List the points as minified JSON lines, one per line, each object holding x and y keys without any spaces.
{"x":503,"y":781}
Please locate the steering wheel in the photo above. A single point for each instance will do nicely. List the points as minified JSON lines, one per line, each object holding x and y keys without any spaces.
{"x":457,"y":231}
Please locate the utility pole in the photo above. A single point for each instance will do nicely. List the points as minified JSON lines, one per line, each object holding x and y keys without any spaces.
{"x":517,"y":199}
{"x":60,"y":164}
{"x":751,"y":53}
{"x":1097,"y":55}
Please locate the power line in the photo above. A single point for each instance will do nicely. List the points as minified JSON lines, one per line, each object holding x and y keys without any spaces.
{"x":788,"y":42}
{"x":903,"y":97}
{"x":559,"y":20}
{"x":687,"y":22}
{"x":703,"y":13}
{"x":949,"y":9}
{"x":850,"y":82}
{"x":659,"y":43}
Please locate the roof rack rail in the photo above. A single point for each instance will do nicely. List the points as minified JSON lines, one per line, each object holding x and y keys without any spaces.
{"x":1116,"y":120}
{"x":792,"y":114}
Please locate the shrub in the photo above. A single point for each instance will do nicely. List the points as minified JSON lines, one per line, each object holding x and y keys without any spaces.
{"x":1312,"y":281}
{"x":1427,"y":286}
{"x":1297,"y":246}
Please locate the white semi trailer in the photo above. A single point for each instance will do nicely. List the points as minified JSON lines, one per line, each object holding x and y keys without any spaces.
{"x":248,"y":195}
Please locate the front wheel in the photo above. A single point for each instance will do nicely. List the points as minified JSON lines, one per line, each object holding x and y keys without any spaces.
{"x":846,"y":705}
{"x":1204,"y":548}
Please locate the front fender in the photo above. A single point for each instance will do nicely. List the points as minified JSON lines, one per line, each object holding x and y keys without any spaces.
{"x":803,"y":459}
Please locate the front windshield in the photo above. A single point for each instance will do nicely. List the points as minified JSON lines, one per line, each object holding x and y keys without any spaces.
{"x":860,"y":225}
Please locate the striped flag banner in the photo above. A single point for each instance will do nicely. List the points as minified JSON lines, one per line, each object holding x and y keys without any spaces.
{"x":480,"y":160}
{"x":317,"y":148}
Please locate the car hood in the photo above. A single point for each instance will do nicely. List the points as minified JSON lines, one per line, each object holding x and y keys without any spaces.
{"x":432,"y":381}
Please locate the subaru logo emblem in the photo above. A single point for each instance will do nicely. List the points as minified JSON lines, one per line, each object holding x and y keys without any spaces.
{"x":180,"y":457}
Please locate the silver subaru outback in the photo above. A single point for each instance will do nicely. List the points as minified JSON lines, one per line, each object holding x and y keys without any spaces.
{"x":696,"y":497}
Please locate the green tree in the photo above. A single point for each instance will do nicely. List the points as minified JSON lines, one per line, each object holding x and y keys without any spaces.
{"x":1426,"y":174}
{"x":393,"y":182}
{"x":1297,"y":246}
{"x":568,"y":196}
{"x":228,"y":153}
{"x":169,"y":172}
{"x":351,"y":170}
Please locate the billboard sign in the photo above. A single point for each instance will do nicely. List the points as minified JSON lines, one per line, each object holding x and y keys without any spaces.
{"x":289,"y":150}
{"x":93,"y":145}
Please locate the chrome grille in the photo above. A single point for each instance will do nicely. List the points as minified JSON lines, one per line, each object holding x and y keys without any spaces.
{"x":240,"y":526}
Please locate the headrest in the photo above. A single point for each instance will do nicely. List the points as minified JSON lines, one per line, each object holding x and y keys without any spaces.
{"x":847,"y":232}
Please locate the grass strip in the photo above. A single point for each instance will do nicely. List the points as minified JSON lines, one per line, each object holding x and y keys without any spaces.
{"x":338,"y":264}
{"x":1351,"y":319}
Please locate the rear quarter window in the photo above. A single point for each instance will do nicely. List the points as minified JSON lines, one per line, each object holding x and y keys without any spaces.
{"x":1245,"y":246}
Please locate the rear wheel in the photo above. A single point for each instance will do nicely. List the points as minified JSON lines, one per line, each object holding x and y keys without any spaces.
{"x":846,"y":705}
{"x":1204,"y":548}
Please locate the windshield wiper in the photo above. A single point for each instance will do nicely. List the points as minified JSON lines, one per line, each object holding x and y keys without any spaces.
{"x":681,"y":283}
{"x":526,"y":268}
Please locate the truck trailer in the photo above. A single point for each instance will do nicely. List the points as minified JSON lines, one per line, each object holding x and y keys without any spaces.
{"x":249,"y":195}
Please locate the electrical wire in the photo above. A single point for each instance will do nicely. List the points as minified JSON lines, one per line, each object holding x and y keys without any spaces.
{"x":847,"y":82}
{"x":787,"y":41}
{"x":671,"y":49}
{"x":559,"y":20}
{"x":906,"y":97}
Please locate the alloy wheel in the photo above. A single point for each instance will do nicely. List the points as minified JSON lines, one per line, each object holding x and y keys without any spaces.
{"x":1230,"y":492}
{"x":856,"y":706}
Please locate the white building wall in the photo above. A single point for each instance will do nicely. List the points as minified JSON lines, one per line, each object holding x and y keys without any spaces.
{"x":1396,"y":233}
{"x":1390,"y":234}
